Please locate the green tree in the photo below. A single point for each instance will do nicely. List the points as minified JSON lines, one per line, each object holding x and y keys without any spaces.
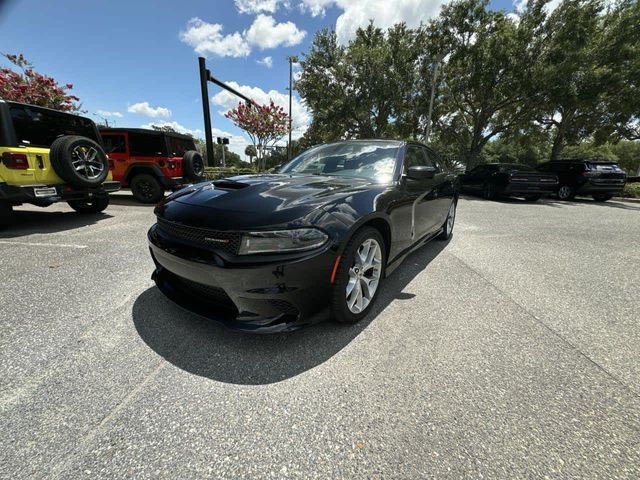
{"x":250,"y":151}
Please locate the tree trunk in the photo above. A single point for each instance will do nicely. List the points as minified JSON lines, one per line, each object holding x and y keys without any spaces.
{"x":558,"y":142}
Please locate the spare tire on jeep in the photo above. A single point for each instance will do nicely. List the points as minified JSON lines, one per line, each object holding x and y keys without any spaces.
{"x":193,"y":165}
{"x":79,"y":161}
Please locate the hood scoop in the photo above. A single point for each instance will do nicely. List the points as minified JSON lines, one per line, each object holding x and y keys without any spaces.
{"x":229,"y":184}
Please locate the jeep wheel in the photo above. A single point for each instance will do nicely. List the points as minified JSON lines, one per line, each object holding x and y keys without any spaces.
{"x":79,"y":161}
{"x":566,"y":192}
{"x":94,"y":205}
{"x":193,"y":166}
{"x":6,"y":214}
{"x":146,"y":188}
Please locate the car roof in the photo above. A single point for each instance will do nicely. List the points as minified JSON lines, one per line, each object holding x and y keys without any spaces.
{"x":144,"y":131}
{"x":58,"y":112}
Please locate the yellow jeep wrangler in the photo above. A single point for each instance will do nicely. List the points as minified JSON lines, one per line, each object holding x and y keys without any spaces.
{"x":47,"y":156}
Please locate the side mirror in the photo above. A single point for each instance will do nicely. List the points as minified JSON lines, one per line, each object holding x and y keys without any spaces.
{"x":421,"y":172}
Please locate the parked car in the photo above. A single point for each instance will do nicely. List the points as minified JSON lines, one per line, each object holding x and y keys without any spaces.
{"x":273,"y":252}
{"x":600,"y":179}
{"x":49,"y":156}
{"x":150,"y":162}
{"x":493,"y":180}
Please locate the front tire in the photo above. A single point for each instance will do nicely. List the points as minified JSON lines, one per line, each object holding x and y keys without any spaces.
{"x":146,"y":188}
{"x":488,"y":191}
{"x":358,"y":276}
{"x":94,"y":205}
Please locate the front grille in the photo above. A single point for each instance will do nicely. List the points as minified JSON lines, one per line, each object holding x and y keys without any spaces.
{"x":284,"y":306}
{"x":208,"y":293}
{"x":228,"y":241}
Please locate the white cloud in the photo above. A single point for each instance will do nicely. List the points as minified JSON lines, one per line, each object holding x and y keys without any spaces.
{"x":264,"y":32}
{"x":316,"y":7}
{"x":257,"y":6}
{"x":106,"y":113}
{"x":384,"y":13}
{"x":207,"y":38}
{"x":301,"y":115}
{"x":266,"y":61}
{"x":143,"y":108}
{"x":237,"y":143}
{"x":176,"y":126}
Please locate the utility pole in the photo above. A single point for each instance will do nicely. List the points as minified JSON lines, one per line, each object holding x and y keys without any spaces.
{"x":292,"y":59}
{"x":204,"y":89}
{"x":434,"y":80}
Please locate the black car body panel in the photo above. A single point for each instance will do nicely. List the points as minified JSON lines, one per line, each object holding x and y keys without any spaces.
{"x":195,"y":242}
{"x":508,"y":180}
{"x":587,"y":177}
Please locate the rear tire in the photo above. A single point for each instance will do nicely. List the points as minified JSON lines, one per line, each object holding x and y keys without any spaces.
{"x":146,"y":188}
{"x":532,"y":198}
{"x":94,"y":205}
{"x":602,"y":197}
{"x":447,"y":227}
{"x":79,"y":161}
{"x":566,"y":192}
{"x":6,"y":214}
{"x":353,"y":275}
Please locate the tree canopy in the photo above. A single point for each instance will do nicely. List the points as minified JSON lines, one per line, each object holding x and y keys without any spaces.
{"x":532,"y":82}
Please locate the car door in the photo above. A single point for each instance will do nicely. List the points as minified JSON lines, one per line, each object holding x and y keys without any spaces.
{"x":473,"y":180}
{"x":115,"y":146}
{"x":442,"y":189}
{"x":422,"y":193}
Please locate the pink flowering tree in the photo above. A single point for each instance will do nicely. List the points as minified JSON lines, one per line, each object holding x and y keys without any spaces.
{"x":29,"y":86}
{"x":265,"y":125}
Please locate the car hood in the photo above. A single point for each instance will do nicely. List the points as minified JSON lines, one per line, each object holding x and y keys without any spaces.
{"x":258,"y":201}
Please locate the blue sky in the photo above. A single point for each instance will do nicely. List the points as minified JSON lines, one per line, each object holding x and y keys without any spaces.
{"x":136,"y":61}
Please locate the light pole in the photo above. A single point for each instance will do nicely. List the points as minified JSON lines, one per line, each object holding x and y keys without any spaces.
{"x":434,"y":79}
{"x":292,"y":60}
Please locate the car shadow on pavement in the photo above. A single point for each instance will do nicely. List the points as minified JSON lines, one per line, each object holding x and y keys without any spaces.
{"x":206,"y":348}
{"x":126,"y":199}
{"x":28,"y":222}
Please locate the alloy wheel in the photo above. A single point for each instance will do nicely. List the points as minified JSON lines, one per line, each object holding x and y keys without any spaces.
{"x":564,"y":192}
{"x":364,"y":275}
{"x":451,"y":218}
{"x":86,"y":162}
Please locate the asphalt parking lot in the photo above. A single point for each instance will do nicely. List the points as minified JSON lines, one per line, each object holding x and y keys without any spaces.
{"x":512,"y":351}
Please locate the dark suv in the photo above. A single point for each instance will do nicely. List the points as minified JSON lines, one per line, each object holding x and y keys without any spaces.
{"x":150,"y":161}
{"x":600,"y":179}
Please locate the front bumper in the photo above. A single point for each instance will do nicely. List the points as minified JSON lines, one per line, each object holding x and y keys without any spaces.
{"x":43,"y":195}
{"x":262,"y":297}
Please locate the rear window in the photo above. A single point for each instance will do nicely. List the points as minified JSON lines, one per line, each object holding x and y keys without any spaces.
{"x":147,"y":145}
{"x":604,"y":167}
{"x":40,"y":127}
{"x":178,"y":146}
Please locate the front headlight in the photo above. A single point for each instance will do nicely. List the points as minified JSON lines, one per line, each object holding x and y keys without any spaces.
{"x":282,"y":241}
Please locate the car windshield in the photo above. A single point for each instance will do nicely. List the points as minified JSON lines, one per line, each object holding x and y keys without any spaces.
{"x":178,"y":146}
{"x":40,"y":126}
{"x":371,"y":160}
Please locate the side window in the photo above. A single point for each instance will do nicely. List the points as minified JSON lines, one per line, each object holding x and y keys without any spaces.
{"x":147,"y":145}
{"x":114,"y":143}
{"x":413,"y":157}
{"x":431,"y":159}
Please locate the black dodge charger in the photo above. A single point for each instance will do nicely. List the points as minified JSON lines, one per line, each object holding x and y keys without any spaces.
{"x":275,"y":252}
